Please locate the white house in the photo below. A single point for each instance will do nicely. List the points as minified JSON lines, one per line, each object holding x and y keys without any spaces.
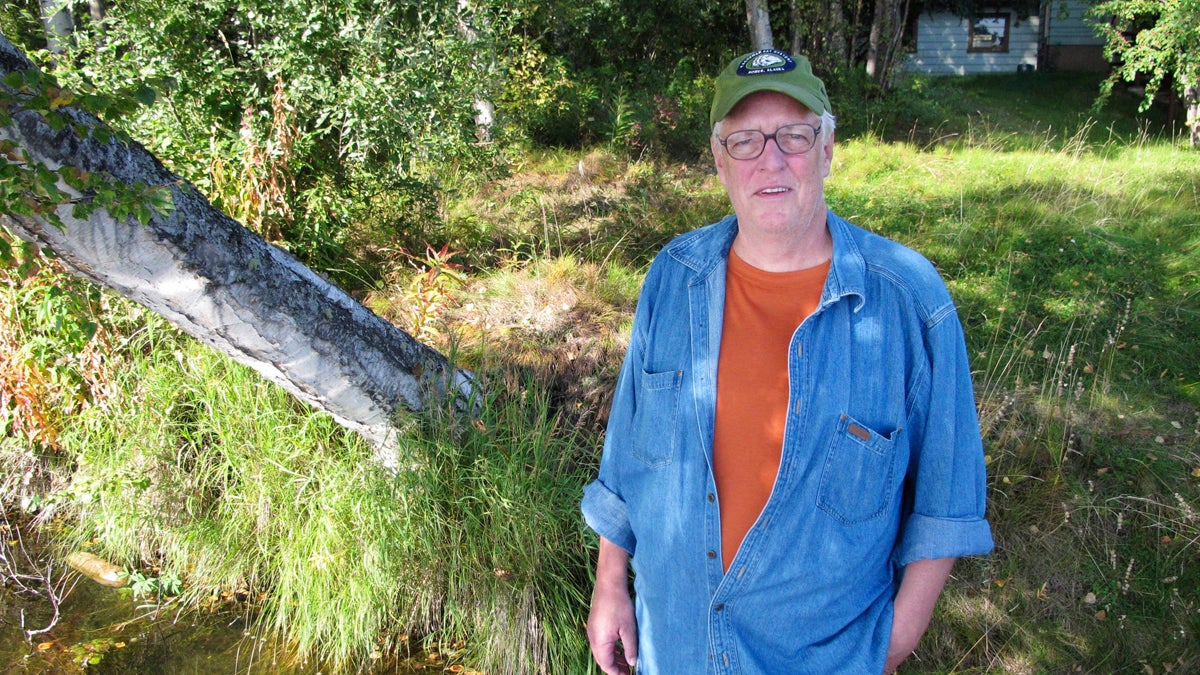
{"x":1060,"y":37}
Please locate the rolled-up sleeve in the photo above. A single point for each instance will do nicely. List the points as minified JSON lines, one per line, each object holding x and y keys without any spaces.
{"x":608,"y":515}
{"x":947,"y":481}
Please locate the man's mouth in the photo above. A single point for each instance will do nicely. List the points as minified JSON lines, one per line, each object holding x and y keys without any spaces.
{"x":773,"y":191}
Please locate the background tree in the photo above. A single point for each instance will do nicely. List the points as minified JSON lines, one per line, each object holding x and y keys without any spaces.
{"x":758,"y":19}
{"x":819,"y":29}
{"x":56,"y":17}
{"x":839,"y":37}
{"x":884,"y":48}
{"x":300,"y":120}
{"x":1156,"y":42}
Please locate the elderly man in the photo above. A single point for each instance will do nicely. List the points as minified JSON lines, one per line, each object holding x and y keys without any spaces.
{"x":793,"y":458}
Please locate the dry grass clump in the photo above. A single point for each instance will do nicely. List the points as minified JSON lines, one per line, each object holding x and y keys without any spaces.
{"x":561,"y":321}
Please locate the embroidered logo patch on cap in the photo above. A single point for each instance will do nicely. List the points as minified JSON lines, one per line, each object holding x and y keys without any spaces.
{"x":766,"y":62}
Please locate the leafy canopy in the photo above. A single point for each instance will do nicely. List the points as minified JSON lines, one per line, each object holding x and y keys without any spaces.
{"x":1158,"y":39}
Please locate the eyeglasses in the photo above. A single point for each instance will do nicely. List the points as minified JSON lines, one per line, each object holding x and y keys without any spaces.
{"x":792,"y":139}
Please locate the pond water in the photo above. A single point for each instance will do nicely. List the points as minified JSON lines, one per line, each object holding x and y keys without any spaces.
{"x":102,"y":630}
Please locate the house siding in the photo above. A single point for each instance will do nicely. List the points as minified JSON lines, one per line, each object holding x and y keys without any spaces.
{"x":1068,"y":23}
{"x":943,"y":40}
{"x":1071,"y":39}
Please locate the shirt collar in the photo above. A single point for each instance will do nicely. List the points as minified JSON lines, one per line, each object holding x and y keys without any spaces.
{"x":705,"y":250}
{"x":847,"y":270}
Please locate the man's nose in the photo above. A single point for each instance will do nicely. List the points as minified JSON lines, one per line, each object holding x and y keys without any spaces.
{"x":771,"y":151}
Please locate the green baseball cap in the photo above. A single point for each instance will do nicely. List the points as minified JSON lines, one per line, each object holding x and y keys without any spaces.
{"x":768,"y":70}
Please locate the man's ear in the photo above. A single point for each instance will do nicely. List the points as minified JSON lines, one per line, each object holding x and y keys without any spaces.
{"x":827,"y":154}
{"x":718,"y":157}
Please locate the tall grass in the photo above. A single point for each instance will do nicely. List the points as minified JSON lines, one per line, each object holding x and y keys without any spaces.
{"x":210,"y":472}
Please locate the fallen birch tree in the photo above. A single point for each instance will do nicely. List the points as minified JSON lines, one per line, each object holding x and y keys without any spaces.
{"x":207,"y":274}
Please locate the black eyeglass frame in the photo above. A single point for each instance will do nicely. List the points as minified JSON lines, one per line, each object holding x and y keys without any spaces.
{"x":766,"y":137}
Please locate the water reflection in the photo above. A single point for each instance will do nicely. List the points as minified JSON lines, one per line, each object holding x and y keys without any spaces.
{"x":103,"y":631}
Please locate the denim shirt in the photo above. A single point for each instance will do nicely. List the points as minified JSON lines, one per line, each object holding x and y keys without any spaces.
{"x":882,"y":464}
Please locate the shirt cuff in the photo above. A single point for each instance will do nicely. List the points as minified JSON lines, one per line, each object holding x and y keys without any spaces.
{"x":929,"y":538}
{"x":608,"y":515}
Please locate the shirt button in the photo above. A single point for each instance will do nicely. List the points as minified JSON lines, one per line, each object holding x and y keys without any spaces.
{"x":710,"y":497}
{"x":719,"y":607}
{"x":712,"y":554}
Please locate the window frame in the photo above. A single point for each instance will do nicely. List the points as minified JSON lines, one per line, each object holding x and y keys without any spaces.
{"x":994,"y":44}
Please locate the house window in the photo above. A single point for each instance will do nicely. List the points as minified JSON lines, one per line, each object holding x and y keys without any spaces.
{"x":989,"y":33}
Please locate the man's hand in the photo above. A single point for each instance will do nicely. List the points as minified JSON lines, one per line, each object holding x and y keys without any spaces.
{"x":919,"y":591}
{"x":611,"y":619}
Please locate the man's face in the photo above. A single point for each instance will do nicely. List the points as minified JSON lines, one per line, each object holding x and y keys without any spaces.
{"x":775,"y":193}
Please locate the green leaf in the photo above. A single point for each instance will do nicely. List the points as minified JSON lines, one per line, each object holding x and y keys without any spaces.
{"x":161,"y":200}
{"x":55,"y":121}
{"x":145,"y":95}
{"x":83,"y":210}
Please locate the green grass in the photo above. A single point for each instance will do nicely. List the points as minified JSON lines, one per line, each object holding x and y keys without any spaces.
{"x":1070,"y":244}
{"x":473,"y":548}
{"x":1037,"y":111}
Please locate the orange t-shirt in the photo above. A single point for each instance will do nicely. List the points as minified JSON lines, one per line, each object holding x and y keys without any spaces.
{"x":762,"y":311}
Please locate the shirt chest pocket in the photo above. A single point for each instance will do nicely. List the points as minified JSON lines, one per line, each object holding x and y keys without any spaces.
{"x":656,"y":416}
{"x":856,"y":483}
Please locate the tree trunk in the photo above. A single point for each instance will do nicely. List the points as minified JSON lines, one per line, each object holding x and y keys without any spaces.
{"x":884,"y":43}
{"x":836,"y":50}
{"x":1191,"y":97}
{"x":485,"y":110}
{"x":224,"y":285}
{"x":56,"y":19}
{"x":759,"y":21}
{"x":819,"y":32}
{"x":796,"y":19}
{"x":97,"y":10}
{"x":855,"y":40}
{"x":894,"y":45}
{"x":875,"y":38}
